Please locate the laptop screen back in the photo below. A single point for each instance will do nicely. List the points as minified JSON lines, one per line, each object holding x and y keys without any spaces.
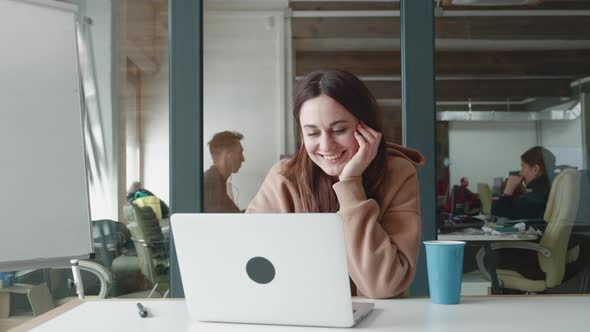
{"x":264,"y":268}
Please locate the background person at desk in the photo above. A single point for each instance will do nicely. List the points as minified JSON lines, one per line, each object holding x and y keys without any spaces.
{"x":228,"y":155}
{"x":536,"y":166}
{"x":462,"y":201}
{"x":345,"y":166}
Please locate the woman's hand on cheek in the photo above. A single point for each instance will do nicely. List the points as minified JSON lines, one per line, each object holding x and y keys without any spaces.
{"x":514,"y":181}
{"x":368,"y":140}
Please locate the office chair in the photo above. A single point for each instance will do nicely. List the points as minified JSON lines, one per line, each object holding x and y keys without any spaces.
{"x":113,"y":249}
{"x":41,"y":299}
{"x":109,"y":238}
{"x":152,"y":202}
{"x":99,"y":271}
{"x":98,"y":277}
{"x":150,"y":245}
{"x":583,"y":217}
{"x":552,"y":250}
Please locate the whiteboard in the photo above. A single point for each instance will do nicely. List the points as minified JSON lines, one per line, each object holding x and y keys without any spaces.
{"x":44,"y":208}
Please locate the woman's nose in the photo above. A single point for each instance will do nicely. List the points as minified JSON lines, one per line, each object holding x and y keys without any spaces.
{"x":326,"y":142}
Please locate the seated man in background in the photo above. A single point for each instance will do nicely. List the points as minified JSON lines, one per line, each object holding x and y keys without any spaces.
{"x":536,"y":169}
{"x":228,"y":155}
{"x":462,"y":201}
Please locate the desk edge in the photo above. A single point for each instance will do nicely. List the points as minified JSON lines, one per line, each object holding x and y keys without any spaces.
{"x":35,"y":322}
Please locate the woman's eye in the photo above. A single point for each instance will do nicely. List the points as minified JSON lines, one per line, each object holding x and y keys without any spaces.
{"x":339,"y":131}
{"x":313,"y":134}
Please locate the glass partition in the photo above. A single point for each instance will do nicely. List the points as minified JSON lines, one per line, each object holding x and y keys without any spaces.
{"x":254,"y":58}
{"x":512,"y":159}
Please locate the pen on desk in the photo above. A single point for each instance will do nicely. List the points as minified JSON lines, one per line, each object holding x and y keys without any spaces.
{"x":142,"y":310}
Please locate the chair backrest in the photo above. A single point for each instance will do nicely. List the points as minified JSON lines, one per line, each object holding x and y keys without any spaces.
{"x":147,"y":237}
{"x":560,"y":215}
{"x":151,"y":201}
{"x":583,"y":217}
{"x":485,"y":196}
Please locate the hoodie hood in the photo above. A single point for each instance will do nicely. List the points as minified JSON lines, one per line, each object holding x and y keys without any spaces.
{"x":411,"y":155}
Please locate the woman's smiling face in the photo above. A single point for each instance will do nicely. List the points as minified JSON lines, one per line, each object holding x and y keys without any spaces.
{"x":328,"y":133}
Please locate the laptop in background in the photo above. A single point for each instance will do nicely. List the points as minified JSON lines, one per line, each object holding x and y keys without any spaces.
{"x":287,"y":269}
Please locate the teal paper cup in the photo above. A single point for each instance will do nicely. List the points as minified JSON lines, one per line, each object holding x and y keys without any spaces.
{"x":6,"y":279}
{"x":444,"y":260}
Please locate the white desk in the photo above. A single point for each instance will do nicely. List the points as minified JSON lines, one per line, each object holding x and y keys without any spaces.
{"x":481,"y":314}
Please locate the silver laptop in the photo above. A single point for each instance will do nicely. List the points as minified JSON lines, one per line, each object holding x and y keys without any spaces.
{"x":287,"y":269}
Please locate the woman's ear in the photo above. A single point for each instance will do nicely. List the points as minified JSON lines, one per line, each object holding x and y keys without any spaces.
{"x":537,"y":170}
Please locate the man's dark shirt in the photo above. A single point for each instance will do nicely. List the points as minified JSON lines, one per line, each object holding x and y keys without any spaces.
{"x":216,"y":198}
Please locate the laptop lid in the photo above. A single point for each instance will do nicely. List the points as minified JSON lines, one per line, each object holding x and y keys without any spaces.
{"x":286,"y":269}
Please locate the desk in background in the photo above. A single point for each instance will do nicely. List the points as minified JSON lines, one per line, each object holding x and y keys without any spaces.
{"x":458,"y":236}
{"x":486,"y":240}
{"x":482,"y":314}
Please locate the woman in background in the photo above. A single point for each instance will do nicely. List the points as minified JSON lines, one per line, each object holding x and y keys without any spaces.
{"x":344,"y":165}
{"x":536,"y":169}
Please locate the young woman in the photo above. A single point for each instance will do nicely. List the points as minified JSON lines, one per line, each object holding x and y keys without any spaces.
{"x":344,"y":165}
{"x":536,"y":167}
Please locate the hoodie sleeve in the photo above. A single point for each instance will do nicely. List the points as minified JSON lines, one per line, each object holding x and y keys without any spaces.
{"x":382,"y":251}
{"x":275,"y":194}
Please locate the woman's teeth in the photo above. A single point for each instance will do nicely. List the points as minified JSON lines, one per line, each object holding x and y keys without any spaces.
{"x":332,"y":157}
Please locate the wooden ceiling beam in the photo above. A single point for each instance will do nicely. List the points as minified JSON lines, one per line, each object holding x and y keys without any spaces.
{"x":509,"y":89}
{"x":344,"y":5}
{"x":345,"y":27}
{"x":572,"y":63}
{"x":487,"y":27}
{"x":481,"y":89}
{"x":510,"y":28}
{"x":394,"y":5}
{"x":543,"y":5}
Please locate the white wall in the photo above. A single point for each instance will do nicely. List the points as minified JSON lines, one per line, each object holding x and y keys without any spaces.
{"x":147,"y":122}
{"x":484,"y":150}
{"x":132,"y":133}
{"x":155,"y":120}
{"x":243,"y":80}
{"x":564,"y":139}
{"x":155,"y":128}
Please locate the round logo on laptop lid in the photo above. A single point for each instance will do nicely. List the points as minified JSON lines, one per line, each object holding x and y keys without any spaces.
{"x":260,"y":270}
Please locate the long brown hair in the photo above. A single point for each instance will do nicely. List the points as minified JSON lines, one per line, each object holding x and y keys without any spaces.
{"x":315,"y":186}
{"x":540,"y":156}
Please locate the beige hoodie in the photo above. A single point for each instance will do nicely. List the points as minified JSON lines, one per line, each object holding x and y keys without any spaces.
{"x":382,"y":238}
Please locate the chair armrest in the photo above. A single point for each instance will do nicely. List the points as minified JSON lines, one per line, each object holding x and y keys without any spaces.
{"x":102,"y":273}
{"x":138,"y":240}
{"x":514,"y":245}
{"x":523,"y":245}
{"x":148,"y":243}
